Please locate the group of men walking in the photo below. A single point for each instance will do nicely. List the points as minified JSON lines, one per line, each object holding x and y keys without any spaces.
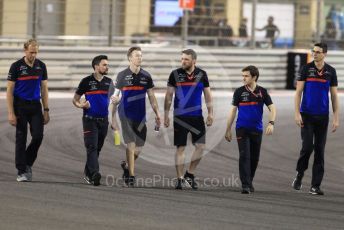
{"x":27,"y":87}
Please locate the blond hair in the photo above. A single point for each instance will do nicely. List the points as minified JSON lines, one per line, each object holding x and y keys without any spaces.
{"x":29,"y":42}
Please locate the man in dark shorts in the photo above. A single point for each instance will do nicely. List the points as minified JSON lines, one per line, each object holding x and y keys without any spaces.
{"x":249,"y":100}
{"x":316,"y":80}
{"x":97,"y":89}
{"x":133,"y":84}
{"x":27,"y":84}
{"x":188,"y":83}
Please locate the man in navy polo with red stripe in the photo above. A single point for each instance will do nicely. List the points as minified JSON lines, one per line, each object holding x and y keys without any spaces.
{"x":249,"y":100}
{"x":316,"y":80}
{"x":133,"y":83}
{"x":27,"y":85}
{"x":97,"y":89}
{"x":188,"y":83}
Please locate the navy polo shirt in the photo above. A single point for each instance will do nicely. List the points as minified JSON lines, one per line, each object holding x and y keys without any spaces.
{"x":315,"y":97}
{"x":27,"y":79}
{"x":133,"y":88}
{"x":97,"y":93}
{"x":250,"y":106}
{"x":188,"y":91}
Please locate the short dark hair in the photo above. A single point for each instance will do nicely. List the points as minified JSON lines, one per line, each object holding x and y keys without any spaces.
{"x":132,"y":49}
{"x":253,"y":71}
{"x":190,"y":52}
{"x":322,"y":45}
{"x":96,"y":60}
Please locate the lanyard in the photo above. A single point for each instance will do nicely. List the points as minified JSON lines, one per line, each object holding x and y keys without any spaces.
{"x":254,"y":94}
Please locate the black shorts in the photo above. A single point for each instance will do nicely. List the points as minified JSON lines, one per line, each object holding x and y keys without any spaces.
{"x":134,"y":132}
{"x":184,"y":125}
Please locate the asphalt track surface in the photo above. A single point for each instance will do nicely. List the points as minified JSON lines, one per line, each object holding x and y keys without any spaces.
{"x":58,"y":198}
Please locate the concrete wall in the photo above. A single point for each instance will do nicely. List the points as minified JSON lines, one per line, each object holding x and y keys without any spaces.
{"x":77,"y":17}
{"x":137,"y":17}
{"x":14,"y":18}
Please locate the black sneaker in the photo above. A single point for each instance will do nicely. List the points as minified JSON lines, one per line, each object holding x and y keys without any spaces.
{"x":316,"y":191}
{"x":297,"y":182}
{"x":96,"y":179}
{"x":125,"y":175}
{"x":251,"y":188}
{"x":131,"y":181}
{"x":29,"y":173}
{"x":245,"y":191}
{"x":179,"y":184}
{"x":190,"y":180}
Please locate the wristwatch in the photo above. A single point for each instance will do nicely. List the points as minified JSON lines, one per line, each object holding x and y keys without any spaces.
{"x":46,"y":109}
{"x":272,"y":122}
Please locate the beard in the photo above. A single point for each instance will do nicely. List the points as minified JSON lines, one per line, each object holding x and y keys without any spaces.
{"x":187,"y":67}
{"x":104,"y":72}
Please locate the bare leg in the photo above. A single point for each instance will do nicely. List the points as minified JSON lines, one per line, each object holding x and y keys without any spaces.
{"x":137,"y":152}
{"x":196,"y":157}
{"x":131,"y":158}
{"x":179,"y":161}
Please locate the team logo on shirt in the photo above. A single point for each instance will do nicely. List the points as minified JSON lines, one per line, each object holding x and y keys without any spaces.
{"x":23,"y":72}
{"x":311,"y":72}
{"x":143,"y":81}
{"x":128,"y":77}
{"x":181,"y":77}
{"x":93,"y":85}
{"x":245,"y":96}
{"x":22,"y":67}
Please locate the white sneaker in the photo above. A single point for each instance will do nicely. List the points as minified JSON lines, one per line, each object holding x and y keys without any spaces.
{"x":22,"y":177}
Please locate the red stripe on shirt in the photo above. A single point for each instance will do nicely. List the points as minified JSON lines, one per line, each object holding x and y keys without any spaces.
{"x":248,"y":103}
{"x":97,"y":92}
{"x":133,"y":88}
{"x":28,"y":78}
{"x":186,"y":83}
{"x":317,"y":79}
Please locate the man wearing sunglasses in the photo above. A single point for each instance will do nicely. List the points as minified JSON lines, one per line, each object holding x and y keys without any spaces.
{"x":312,"y":114}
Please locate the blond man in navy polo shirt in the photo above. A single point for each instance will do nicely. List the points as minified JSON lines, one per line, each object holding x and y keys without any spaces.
{"x":27,"y":86}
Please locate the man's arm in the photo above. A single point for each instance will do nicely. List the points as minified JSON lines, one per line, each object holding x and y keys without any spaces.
{"x":278,"y":32}
{"x":335,"y":108}
{"x":209,"y":103}
{"x":272,"y":117}
{"x":232,"y":115}
{"x":45,"y":98}
{"x":297,"y":101}
{"x":167,"y":105}
{"x":114,"y":122}
{"x":154,"y":104}
{"x":12,"y":119}
{"x":80,"y":104}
